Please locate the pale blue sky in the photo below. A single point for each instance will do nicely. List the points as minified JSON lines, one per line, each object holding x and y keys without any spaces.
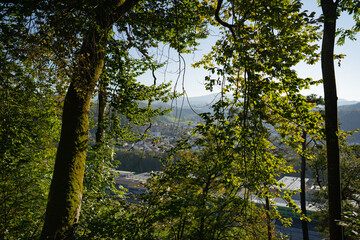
{"x":348,"y":74}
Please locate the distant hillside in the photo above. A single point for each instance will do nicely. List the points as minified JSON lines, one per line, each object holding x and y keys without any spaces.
{"x":203,"y":101}
{"x":344,"y":102}
{"x":349,"y":117}
{"x":347,"y":107}
{"x":349,"y":112}
{"x":187,"y":109}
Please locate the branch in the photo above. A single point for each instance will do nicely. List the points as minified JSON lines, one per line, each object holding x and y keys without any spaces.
{"x":122,"y":8}
{"x":218,"y":19}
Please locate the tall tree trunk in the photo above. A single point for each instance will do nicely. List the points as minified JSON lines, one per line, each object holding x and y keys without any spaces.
{"x":329,"y":9}
{"x":100,"y":131}
{"x":268,"y":218}
{"x":64,"y":202}
{"x":304,"y":223}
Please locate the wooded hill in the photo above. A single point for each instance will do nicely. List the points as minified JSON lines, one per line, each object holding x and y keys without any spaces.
{"x":183,"y":112}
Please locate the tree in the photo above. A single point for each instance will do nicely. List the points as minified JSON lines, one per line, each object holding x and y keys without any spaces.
{"x":30,"y":96}
{"x":305,"y":143}
{"x":29,"y":128}
{"x":331,"y":10}
{"x":255,"y":61}
{"x":350,"y":190}
{"x":349,"y":156}
{"x":331,"y":122}
{"x":207,"y":194}
{"x":79,"y":49}
{"x":119,"y":116}
{"x":63,"y":208}
{"x":304,"y":225}
{"x":198,"y":195}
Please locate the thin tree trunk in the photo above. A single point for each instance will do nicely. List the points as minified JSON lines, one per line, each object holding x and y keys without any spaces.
{"x":100,"y":131}
{"x":269,"y":230}
{"x":331,"y":118}
{"x":304,"y":223}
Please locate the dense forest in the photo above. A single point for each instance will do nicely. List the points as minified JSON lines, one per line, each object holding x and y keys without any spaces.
{"x":73,"y":112}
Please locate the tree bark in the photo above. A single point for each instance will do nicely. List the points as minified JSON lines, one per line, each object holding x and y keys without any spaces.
{"x":268,"y":218}
{"x":304,"y":223}
{"x":64,"y":201}
{"x":100,"y":131}
{"x":329,"y":9}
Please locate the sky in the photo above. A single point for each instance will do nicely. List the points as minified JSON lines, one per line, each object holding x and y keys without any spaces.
{"x":192,"y":80}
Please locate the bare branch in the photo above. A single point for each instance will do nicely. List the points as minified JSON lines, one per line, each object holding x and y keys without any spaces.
{"x":218,"y":19}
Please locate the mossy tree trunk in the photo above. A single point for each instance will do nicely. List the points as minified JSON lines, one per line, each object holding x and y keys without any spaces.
{"x":65,"y":195}
{"x":329,"y":9}
{"x":64,"y":201}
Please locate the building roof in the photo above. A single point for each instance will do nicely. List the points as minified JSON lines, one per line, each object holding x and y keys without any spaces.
{"x":292,"y":183}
